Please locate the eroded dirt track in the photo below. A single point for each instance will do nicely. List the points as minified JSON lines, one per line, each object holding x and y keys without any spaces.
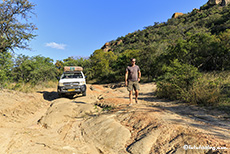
{"x":43,"y":123}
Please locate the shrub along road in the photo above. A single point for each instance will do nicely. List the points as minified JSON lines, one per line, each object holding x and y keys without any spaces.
{"x":102,"y":122}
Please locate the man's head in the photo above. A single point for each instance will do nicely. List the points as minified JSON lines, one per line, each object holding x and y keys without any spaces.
{"x":133,"y":61}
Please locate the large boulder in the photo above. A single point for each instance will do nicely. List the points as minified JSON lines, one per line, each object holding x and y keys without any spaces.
{"x":216,"y":2}
{"x":106,"y":47}
{"x":177,"y":14}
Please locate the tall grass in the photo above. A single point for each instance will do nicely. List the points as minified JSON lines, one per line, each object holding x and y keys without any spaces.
{"x":212,"y":89}
{"x":209,"y":89}
{"x":28,"y":87}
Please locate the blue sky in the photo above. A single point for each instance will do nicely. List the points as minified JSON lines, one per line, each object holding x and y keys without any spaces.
{"x":79,"y":27}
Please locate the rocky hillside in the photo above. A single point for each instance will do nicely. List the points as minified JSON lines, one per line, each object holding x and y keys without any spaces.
{"x":221,"y":2}
{"x":208,"y":18}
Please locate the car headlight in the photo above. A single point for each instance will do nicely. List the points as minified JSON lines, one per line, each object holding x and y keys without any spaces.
{"x":60,"y":84}
{"x":82,"y":82}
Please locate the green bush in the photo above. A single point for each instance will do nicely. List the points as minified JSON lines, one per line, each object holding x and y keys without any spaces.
{"x":211,"y":89}
{"x":34,"y":69}
{"x":6,"y":64}
{"x":208,"y":89}
{"x":176,"y":81}
{"x":205,"y":91}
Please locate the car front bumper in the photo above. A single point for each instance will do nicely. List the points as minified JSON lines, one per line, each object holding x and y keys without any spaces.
{"x":71,"y":89}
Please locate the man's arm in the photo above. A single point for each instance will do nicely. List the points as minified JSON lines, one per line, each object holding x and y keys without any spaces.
{"x":126,"y":77}
{"x":139,"y":75}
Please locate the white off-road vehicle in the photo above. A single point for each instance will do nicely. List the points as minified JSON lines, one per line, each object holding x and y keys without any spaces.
{"x":72,"y":82}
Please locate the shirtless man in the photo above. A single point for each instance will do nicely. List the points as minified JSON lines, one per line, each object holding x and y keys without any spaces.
{"x":132,"y":78}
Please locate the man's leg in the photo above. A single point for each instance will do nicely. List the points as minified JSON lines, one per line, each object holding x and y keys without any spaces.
{"x":136,"y":88}
{"x":130,"y":89}
{"x":136,"y":95}
{"x":130,"y":96}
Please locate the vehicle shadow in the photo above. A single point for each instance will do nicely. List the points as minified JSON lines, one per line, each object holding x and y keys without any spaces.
{"x":49,"y":96}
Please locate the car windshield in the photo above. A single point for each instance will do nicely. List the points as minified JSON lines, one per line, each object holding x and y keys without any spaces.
{"x":71,"y":75}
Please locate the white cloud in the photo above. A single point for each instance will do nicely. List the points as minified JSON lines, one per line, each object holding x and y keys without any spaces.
{"x":56,"y":45}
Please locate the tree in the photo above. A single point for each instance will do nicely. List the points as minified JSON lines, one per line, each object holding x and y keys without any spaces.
{"x":70,"y":61}
{"x":73,"y":61}
{"x":101,"y":63}
{"x":6,"y":64}
{"x":34,"y":69}
{"x":60,"y":66}
{"x":201,"y":50}
{"x":19,"y":71}
{"x":15,"y":31}
{"x":123,"y":61}
{"x":225,"y":48}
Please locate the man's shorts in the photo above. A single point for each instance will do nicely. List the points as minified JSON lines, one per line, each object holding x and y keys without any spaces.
{"x":133,"y":85}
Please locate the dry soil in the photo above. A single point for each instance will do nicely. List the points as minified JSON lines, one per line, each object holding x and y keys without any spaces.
{"x":103,"y":123}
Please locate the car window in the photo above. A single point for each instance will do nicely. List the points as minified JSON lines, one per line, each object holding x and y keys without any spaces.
{"x":71,"y":75}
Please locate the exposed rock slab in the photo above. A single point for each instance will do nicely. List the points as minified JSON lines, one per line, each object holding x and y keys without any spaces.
{"x":63,"y":110}
{"x":107,"y":134}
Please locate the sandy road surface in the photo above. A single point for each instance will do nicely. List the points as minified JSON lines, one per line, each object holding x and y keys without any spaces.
{"x":43,"y":123}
